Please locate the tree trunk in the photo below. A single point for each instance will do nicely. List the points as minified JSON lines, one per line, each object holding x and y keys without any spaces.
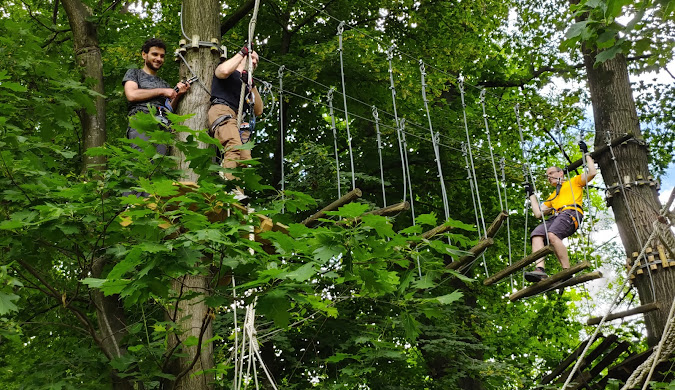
{"x":636,"y":208}
{"x":88,"y":53}
{"x":200,"y":18}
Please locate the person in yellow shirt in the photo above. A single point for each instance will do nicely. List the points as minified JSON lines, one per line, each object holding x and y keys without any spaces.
{"x":565,"y":203}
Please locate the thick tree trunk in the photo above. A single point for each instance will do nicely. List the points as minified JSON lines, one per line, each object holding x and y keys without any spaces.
{"x":637,"y":207}
{"x":88,"y":53}
{"x":200,"y":18}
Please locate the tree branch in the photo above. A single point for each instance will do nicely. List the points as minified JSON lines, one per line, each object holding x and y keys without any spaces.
{"x":237,"y":16}
{"x":205,"y":325}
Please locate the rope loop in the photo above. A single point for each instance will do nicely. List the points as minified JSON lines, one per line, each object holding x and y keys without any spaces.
{"x":376,"y":115}
{"x":341,"y":28}
{"x":401,"y":124}
{"x":330,"y":94}
{"x":390,"y":53}
{"x":280,"y":73}
{"x":482,"y":95}
{"x":422,"y":69}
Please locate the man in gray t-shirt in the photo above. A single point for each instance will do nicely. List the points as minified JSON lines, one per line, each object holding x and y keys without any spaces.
{"x":143,"y":89}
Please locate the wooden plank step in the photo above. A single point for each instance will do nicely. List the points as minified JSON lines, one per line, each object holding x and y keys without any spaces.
{"x":638,"y":310}
{"x":524,"y":262}
{"x":496,"y":224}
{"x":347,"y":198}
{"x":390,"y":210}
{"x":568,"y":360}
{"x":582,"y":376}
{"x":476,"y":251}
{"x":548,"y":282}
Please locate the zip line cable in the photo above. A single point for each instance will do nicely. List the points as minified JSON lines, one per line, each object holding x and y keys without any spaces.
{"x":335,"y":137}
{"x":434,"y":140}
{"x":379,"y":152}
{"x":340,"y":29}
{"x":492,"y":157}
{"x":403,"y":151}
{"x":282,"y":134}
{"x":468,"y":148}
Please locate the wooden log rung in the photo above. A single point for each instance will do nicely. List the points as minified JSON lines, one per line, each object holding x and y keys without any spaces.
{"x":390,"y":210}
{"x":638,"y":310}
{"x":348,"y":197}
{"x":476,"y":251}
{"x":496,"y":224}
{"x":545,"y":284}
{"x":583,"y":278}
{"x":583,"y":376}
{"x":597,"y":152}
{"x":524,"y":262}
{"x":568,"y":360}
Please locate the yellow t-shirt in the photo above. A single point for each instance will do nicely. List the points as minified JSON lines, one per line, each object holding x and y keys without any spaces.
{"x":571,"y":192}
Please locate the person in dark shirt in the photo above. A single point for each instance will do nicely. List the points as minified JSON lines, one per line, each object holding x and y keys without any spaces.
{"x":225,"y":94}
{"x":145,"y":90}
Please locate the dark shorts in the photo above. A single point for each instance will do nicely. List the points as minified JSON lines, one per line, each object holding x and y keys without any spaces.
{"x":562,"y":225}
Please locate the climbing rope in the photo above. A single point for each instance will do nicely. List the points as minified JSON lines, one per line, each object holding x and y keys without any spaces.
{"x":633,"y":268}
{"x":628,"y":208}
{"x":434,"y":141}
{"x":249,"y":67}
{"x":282,"y":137}
{"x":502,"y":165}
{"x":406,"y":166}
{"x":376,"y":116}
{"x":340,"y":30}
{"x":492,"y":157}
{"x":402,"y":150}
{"x":588,"y":202}
{"x":473,"y":199}
{"x":527,"y":172}
{"x":332,"y":125}
{"x":468,"y":148}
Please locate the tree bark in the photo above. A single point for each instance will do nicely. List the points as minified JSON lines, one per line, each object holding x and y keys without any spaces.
{"x":635,"y":208}
{"x":192,"y":317}
{"x":88,"y":53}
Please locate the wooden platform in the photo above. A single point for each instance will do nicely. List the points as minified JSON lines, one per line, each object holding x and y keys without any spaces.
{"x":558,"y":280}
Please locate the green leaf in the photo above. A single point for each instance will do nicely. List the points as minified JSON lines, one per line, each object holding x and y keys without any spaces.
{"x":607,"y":54}
{"x":614,"y":7}
{"x":427,"y":219}
{"x":410,"y":325}
{"x":576,"y":29}
{"x":275,"y":305}
{"x":338,"y":357}
{"x":6,"y":304}
{"x":449,"y":298}
{"x":350,"y":210}
{"x":381,"y":225}
{"x":302,"y":273}
{"x":94,"y":282}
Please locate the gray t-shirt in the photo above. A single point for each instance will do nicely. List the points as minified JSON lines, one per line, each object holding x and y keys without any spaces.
{"x":145,"y":81}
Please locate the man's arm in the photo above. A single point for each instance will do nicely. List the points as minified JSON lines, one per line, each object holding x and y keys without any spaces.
{"x":228,"y":67}
{"x":136,"y":94}
{"x":182,"y":88}
{"x":586,"y":177}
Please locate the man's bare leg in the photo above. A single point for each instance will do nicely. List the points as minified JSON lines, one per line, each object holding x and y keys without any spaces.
{"x":537,"y":244}
{"x":559,"y":249}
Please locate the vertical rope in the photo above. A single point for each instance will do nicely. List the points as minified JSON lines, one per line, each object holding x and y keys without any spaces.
{"x":401,"y":127}
{"x":502,"y":164}
{"x":332,"y":121}
{"x":236,"y":334}
{"x":434,"y":141}
{"x":473,"y":193}
{"x":468,"y":147}
{"x":282,"y":136}
{"x":492,"y":157}
{"x":249,"y":81}
{"x":527,"y":172}
{"x":340,"y":30}
{"x":525,"y":238}
{"x":401,"y":149}
{"x":588,"y":201}
{"x":376,"y":116}
{"x":628,"y":208}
